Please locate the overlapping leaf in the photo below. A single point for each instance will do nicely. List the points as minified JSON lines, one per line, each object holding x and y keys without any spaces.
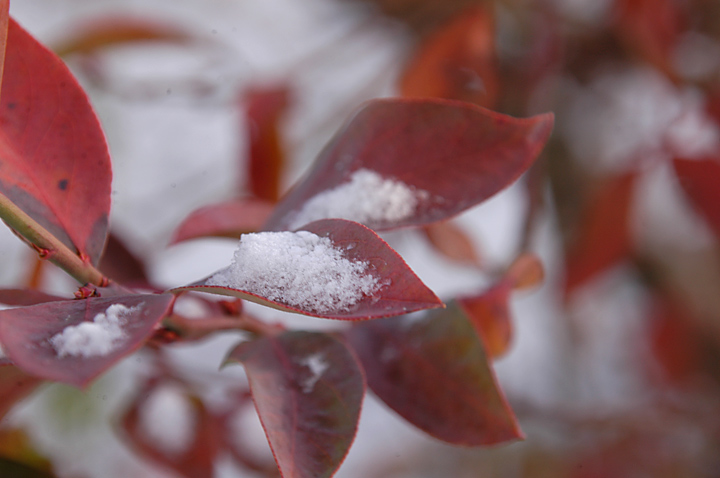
{"x":454,"y":154}
{"x":402,"y":291}
{"x":490,"y":314}
{"x":434,"y":371}
{"x":308,"y":391}
{"x":54,"y":161}
{"x":699,"y":179}
{"x":26,"y":332}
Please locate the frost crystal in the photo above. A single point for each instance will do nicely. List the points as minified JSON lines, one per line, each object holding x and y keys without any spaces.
{"x":300,"y":269}
{"x":99,"y":337}
{"x":367,"y":197}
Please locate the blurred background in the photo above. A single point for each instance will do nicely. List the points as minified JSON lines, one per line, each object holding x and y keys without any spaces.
{"x":613,"y":363}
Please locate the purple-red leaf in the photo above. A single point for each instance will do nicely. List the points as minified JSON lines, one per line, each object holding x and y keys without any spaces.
{"x":54,"y":162}
{"x":308,"y":390}
{"x":452,"y":155}
{"x":24,"y":297}
{"x":700,"y":179}
{"x":225,"y":219}
{"x":26,"y":334}
{"x":434,"y":371}
{"x":400,"y":290}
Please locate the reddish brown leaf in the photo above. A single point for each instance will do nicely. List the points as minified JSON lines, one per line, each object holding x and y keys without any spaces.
{"x":457,"y":61}
{"x":525,"y":272}
{"x":604,"y":237}
{"x":434,"y":371}
{"x":225,"y":219}
{"x":452,"y":242}
{"x":121,"y":265}
{"x":264,"y":108}
{"x":100,"y":33}
{"x":401,"y":290}
{"x":308,"y":390}
{"x":54,"y":162}
{"x":198,"y":460}
{"x":459,"y":154}
{"x":23,"y":297}
{"x":14,"y":386}
{"x":699,"y":178}
{"x":26,"y":332}
{"x":490,"y":314}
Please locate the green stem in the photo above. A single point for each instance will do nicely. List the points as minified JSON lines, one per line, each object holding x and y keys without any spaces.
{"x":49,"y":246}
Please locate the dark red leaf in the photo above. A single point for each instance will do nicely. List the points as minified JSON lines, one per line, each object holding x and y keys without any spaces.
{"x":699,"y":178}
{"x":225,"y":219}
{"x":434,"y":371}
{"x":490,"y":314}
{"x":26,"y":332}
{"x":264,"y":108}
{"x":54,"y":160}
{"x":401,"y":291}
{"x":120,"y":264}
{"x":308,"y":390}
{"x":198,"y":460}
{"x":603,"y":238}
{"x":457,"y":61}
{"x":458,"y":154}
{"x":14,"y":386}
{"x":23,"y":297}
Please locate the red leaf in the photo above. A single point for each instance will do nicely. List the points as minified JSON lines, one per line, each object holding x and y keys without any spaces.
{"x":457,"y":61}
{"x":198,"y":460}
{"x":308,"y":390}
{"x":4,"y":23}
{"x":54,"y":160}
{"x":401,"y":291}
{"x":452,"y":242}
{"x":458,"y":154}
{"x":699,"y":178}
{"x":434,"y":371}
{"x":120,"y":264}
{"x":225,"y":219}
{"x":14,"y":386}
{"x":525,"y":272}
{"x":490,"y":314}
{"x":604,"y":236}
{"x":264,"y":110}
{"x":23,"y":297}
{"x":26,"y":332}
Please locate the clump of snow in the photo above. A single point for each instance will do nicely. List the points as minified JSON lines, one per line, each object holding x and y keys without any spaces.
{"x":168,"y":420}
{"x":99,"y":337}
{"x":366,"y":197}
{"x":300,"y":269}
{"x":317,"y":365}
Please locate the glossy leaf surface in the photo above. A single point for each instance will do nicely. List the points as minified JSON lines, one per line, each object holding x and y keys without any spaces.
{"x":699,"y":178}
{"x":434,"y":371}
{"x":26,"y":332}
{"x":402,"y":293}
{"x":308,"y":391}
{"x":225,"y":219}
{"x":459,"y":154}
{"x":54,"y":162}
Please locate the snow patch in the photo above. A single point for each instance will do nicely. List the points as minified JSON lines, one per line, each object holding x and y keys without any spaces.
{"x":365,"y":198}
{"x":300,"y":269}
{"x":99,"y":337}
{"x":317,"y":365}
{"x":168,"y":420}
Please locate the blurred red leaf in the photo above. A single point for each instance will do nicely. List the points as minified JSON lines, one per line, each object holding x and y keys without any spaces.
{"x":489,"y":313}
{"x":402,"y":292}
{"x":457,"y":61}
{"x":225,"y":219}
{"x":99,"y":33}
{"x":55,"y":164}
{"x":26,"y":332}
{"x":525,"y":272}
{"x":14,"y":386}
{"x":435,"y":372}
{"x":460,"y":154}
{"x":700,"y":179}
{"x":603,"y":238}
{"x":452,"y":242}
{"x":264,"y":108}
{"x":198,"y":460}
{"x":120,"y":264}
{"x":4,"y":23}
{"x":23,"y":297}
{"x":308,"y":390}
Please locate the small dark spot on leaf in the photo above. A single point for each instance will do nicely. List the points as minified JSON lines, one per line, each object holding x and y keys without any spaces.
{"x":63,"y":184}
{"x":11,"y":106}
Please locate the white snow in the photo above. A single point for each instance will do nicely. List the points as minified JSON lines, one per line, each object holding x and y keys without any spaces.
{"x":300,"y":269}
{"x":317,"y":365}
{"x":366,"y":197}
{"x":99,"y":337}
{"x":168,"y":420}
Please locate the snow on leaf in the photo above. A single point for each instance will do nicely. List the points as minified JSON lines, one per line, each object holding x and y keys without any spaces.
{"x":458,"y":154}
{"x":331,"y":268}
{"x":308,"y":390}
